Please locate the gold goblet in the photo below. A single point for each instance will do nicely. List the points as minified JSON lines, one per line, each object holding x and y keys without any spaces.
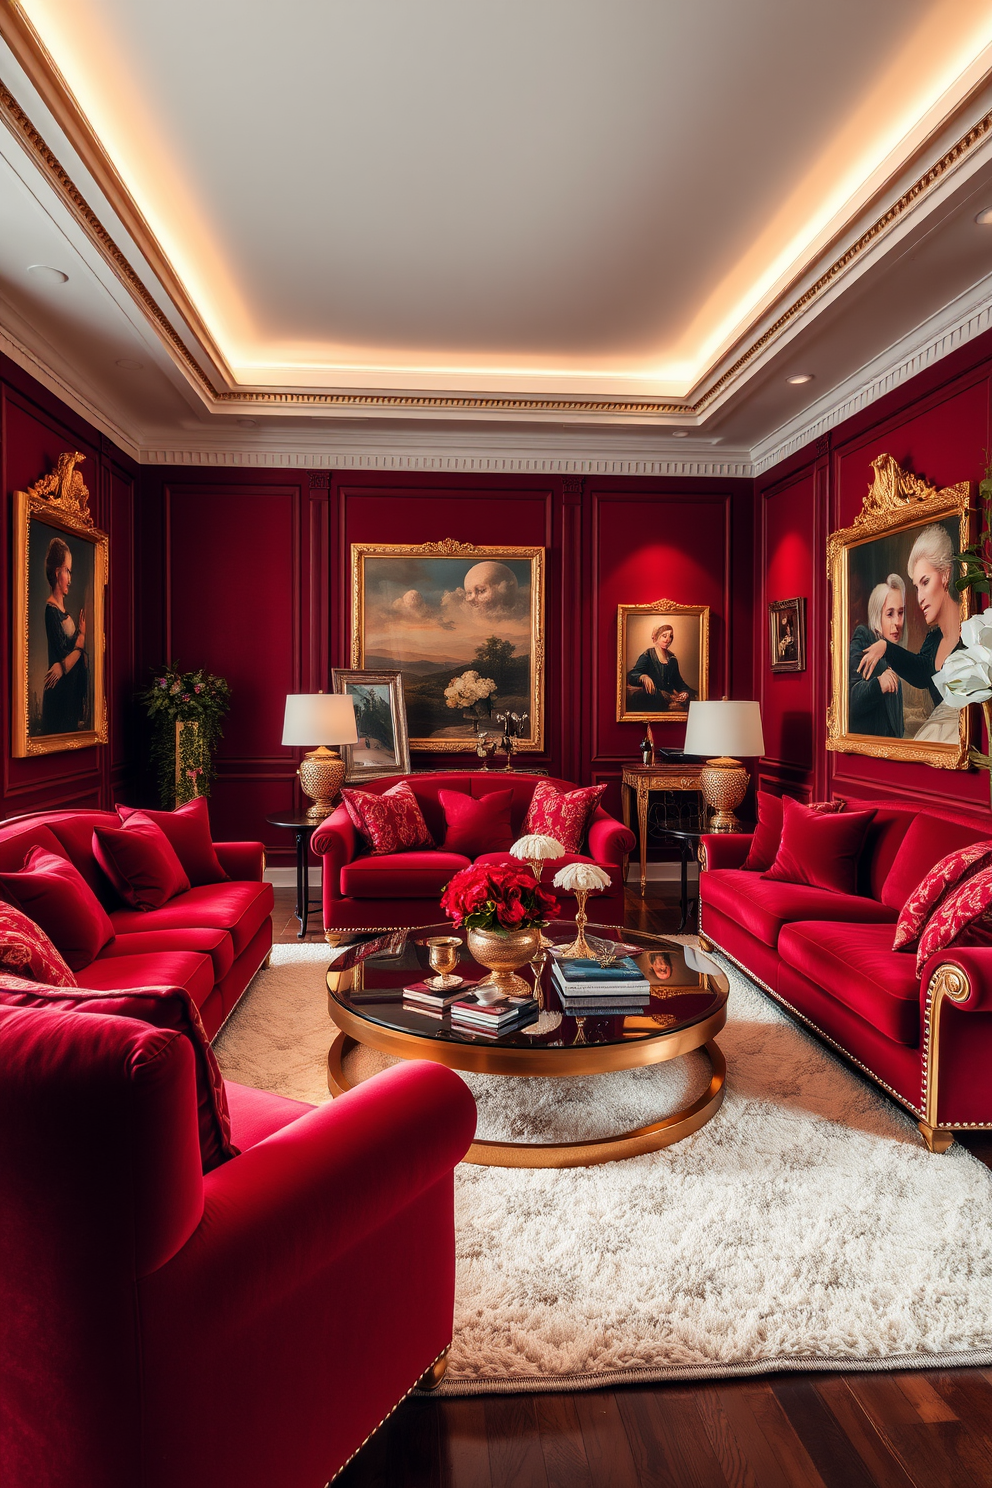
{"x":444,"y":958}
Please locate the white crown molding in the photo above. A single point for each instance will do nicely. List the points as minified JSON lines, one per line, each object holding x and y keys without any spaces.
{"x":479,"y":460}
{"x":953,"y":326}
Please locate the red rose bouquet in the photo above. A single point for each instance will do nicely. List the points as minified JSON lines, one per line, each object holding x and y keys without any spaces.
{"x":493,"y":897}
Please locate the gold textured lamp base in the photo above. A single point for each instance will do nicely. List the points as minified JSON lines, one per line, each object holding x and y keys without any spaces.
{"x":321,"y":775}
{"x":723,"y":783}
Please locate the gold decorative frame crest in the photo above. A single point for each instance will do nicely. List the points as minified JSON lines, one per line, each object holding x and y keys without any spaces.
{"x":660,"y":607}
{"x":896,"y":501}
{"x":450,"y":548}
{"x":60,"y":500}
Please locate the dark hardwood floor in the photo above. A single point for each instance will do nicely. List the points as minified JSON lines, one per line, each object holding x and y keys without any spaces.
{"x":912,"y":1429}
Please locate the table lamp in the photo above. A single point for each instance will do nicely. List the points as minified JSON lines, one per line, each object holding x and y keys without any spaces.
{"x":724,"y":729}
{"x":321,"y":718}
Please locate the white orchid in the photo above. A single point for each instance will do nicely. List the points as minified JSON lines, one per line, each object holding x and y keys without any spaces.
{"x":966,"y":676}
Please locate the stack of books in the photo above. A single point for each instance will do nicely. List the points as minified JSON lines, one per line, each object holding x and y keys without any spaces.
{"x":491,"y":1019}
{"x":588,"y":989}
{"x":421,"y":997}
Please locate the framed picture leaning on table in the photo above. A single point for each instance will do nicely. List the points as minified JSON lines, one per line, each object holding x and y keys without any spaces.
{"x":662,"y":660}
{"x":383,"y":747}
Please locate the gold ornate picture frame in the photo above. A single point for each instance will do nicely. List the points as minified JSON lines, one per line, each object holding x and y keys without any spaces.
{"x":787,"y":635}
{"x":60,"y":580}
{"x":464,"y":625}
{"x":900,"y":722}
{"x":655,"y":684}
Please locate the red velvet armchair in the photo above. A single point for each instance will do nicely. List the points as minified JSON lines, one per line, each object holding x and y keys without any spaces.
{"x":363,"y":890}
{"x":247,"y":1328}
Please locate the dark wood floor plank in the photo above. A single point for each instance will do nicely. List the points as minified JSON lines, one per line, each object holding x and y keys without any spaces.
{"x":464,"y":1442}
{"x":884,"y":1466}
{"x":938,"y":1454}
{"x":968,"y":1396}
{"x":928,"y":1404}
{"x":565,"y":1460}
{"x":605,"y":1439}
{"x":782,"y":1435}
{"x":837,"y":1461}
{"x":668,"y":1439}
{"x":515,"y":1456}
{"x":741,"y":1441}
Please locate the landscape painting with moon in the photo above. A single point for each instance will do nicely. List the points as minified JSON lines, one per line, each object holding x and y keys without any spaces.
{"x":464,"y":625}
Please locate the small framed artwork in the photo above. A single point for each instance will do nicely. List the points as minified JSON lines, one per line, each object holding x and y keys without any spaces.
{"x":383,"y":747}
{"x":60,"y":575}
{"x":662,"y":660}
{"x":787,"y":634}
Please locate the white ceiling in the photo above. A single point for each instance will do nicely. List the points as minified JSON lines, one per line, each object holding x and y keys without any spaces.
{"x":597,"y":205}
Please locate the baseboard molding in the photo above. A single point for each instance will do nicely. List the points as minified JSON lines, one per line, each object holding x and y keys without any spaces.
{"x":285,"y":878}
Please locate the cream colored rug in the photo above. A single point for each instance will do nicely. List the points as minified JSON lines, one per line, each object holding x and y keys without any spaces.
{"x":805,"y":1227}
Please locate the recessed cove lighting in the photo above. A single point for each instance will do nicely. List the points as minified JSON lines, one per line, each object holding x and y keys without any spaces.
{"x":45,"y":271}
{"x":680,"y":433}
{"x":985,"y":218}
{"x":248,"y":423}
{"x":798,"y":377}
{"x":130,"y":365}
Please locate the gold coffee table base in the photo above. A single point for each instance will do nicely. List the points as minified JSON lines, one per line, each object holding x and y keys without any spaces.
{"x":582,"y":1154}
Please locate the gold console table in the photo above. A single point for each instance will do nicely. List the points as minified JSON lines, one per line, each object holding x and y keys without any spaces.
{"x":642,"y":780}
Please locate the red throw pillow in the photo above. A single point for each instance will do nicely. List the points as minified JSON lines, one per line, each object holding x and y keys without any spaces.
{"x":140,"y":862}
{"x":564,"y":815}
{"x":55,"y":895}
{"x":819,"y":849}
{"x":768,"y":832}
{"x":962,"y":918}
{"x":476,"y":824}
{"x":162,"y":1007}
{"x":26,"y":951}
{"x":944,"y":877}
{"x":392,"y":822}
{"x":188,"y":831}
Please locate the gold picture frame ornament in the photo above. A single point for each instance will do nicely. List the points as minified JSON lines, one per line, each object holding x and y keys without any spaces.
{"x":406,"y":558}
{"x":660,"y":608}
{"x":59,"y":500}
{"x":896,"y":502}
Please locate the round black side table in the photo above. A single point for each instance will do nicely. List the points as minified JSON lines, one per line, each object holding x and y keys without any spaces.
{"x":303,"y":830}
{"x":688,"y":845}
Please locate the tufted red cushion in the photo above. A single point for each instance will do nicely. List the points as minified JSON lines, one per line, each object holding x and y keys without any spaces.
{"x":963,"y":917}
{"x":391,"y":822}
{"x":54,"y":894}
{"x":768,"y":832}
{"x":162,"y":1007}
{"x":140,"y":862}
{"x":476,"y":824}
{"x":943,"y":878}
{"x":564,"y":815}
{"x":26,"y":951}
{"x":188,"y":830}
{"x":857,"y":966}
{"x":820,"y":849}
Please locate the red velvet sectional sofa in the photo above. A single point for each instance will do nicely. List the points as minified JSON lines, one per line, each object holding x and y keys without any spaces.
{"x":365,"y":890}
{"x":828,"y":958}
{"x":210,"y":939}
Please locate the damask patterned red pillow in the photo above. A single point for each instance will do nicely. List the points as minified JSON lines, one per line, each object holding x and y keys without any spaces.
{"x":26,"y":951}
{"x":564,"y":815}
{"x":392,"y":822}
{"x":943,"y":878}
{"x":962,"y":918}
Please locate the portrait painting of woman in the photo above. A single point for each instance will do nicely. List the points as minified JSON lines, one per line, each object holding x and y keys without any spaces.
{"x":65,"y":699}
{"x":662,"y":659}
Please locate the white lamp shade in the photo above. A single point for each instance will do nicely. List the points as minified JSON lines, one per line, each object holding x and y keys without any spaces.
{"x":724,"y":728}
{"x":315,"y":718}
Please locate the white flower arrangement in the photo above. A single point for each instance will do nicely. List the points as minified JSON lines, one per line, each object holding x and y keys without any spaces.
{"x":966,"y":676}
{"x":468,"y":689}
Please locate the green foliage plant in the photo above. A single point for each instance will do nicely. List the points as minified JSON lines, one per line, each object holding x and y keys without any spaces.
{"x":976,"y":559}
{"x":184,"y":697}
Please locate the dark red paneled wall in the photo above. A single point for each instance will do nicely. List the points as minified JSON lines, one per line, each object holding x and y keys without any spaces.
{"x":35,"y":428}
{"x":939,"y":425}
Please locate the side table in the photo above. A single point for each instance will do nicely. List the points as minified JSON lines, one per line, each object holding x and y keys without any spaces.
{"x":642,"y":780}
{"x":303,"y":830}
{"x":688,"y":844}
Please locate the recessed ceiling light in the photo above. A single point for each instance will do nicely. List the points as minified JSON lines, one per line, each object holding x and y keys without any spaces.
{"x":985,"y":218}
{"x":130,"y":365}
{"x":798,"y":377}
{"x":680,"y":433}
{"x":45,"y":271}
{"x":247,"y":423}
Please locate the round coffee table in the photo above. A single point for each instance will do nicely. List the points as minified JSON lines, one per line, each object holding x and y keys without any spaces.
{"x":686,"y":1012}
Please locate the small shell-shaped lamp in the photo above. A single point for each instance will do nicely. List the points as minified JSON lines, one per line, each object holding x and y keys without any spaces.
{"x":580,"y":879}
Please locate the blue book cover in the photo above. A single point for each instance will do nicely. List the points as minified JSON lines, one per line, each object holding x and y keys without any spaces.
{"x":591,"y":971}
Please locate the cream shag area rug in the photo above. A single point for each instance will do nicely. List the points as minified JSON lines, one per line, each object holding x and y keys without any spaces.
{"x":805,"y":1227}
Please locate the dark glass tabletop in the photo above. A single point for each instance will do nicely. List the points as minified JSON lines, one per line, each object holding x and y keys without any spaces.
{"x":367,"y":976}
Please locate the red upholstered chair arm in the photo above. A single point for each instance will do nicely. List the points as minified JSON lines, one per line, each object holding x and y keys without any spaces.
{"x":336,"y":841}
{"x":609,"y":839}
{"x":242,"y":861}
{"x":312,"y":1190}
{"x":965,"y":976}
{"x":727,"y":850}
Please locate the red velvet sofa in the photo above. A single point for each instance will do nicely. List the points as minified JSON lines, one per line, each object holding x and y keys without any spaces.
{"x":828,"y":958}
{"x":363,"y":890}
{"x":211,"y":939}
{"x":244,"y":1328}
